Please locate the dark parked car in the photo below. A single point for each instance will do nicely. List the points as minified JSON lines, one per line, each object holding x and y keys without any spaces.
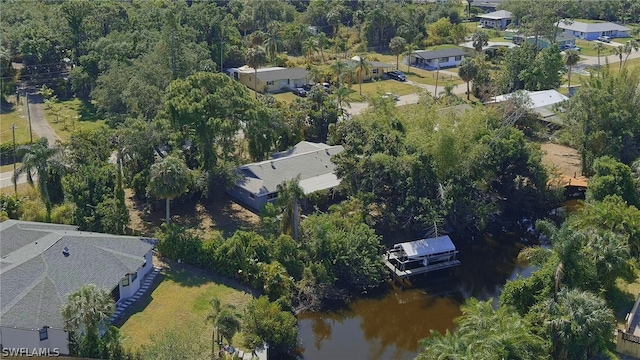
{"x":397,"y":75}
{"x":300,"y":92}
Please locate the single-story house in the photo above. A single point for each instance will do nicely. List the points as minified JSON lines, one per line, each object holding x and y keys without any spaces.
{"x":432,"y":59}
{"x":628,"y":339}
{"x":311,"y":162}
{"x":563,"y":40}
{"x":543,"y":103}
{"x":495,"y":20}
{"x":376,"y":68}
{"x":591,"y":31}
{"x":270,"y":80}
{"x":41,"y":264}
{"x":490,"y":47}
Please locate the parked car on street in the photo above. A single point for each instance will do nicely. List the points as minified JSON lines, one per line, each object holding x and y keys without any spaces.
{"x":300,"y":92}
{"x":606,"y":39}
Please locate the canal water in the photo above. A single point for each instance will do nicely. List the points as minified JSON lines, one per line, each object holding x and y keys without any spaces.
{"x":390,"y":326}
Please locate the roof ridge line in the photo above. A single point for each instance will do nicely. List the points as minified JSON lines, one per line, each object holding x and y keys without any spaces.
{"x":290,"y":156}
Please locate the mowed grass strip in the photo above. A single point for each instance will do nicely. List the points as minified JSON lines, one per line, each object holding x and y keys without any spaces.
{"x":179,"y":302}
{"x":14,"y":114}
{"x":376,"y":88}
{"x":71,"y":115}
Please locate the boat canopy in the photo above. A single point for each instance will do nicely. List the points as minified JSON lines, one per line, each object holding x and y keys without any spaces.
{"x":426,"y":247}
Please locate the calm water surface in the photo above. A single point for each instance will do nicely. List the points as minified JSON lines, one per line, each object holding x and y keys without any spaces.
{"x":389,"y":327}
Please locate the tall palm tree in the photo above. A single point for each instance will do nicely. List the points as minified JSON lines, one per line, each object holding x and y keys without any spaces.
{"x":599,"y":47}
{"x":170,"y":178}
{"x":341,"y":94}
{"x":289,"y":194}
{"x":256,"y":58}
{"x":309,"y":47}
{"x":272,"y":41}
{"x":86,"y":310}
{"x":323,"y":42}
{"x":216,"y":307}
{"x":226,"y":323}
{"x":571,"y":57}
{"x":619,"y":51}
{"x":37,"y":160}
{"x":630,"y":46}
{"x":337,"y":69}
{"x":467,"y":71}
{"x":363,"y":68}
{"x":408,"y":50}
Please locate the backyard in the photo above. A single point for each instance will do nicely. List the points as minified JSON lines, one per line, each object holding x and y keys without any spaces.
{"x":70,"y":115}
{"x":179,"y":302}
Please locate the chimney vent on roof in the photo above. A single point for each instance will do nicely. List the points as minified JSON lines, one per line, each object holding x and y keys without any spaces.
{"x":65,"y":251}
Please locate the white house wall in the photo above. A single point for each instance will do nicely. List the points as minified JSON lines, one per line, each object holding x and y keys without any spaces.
{"x":130,"y":290}
{"x":13,"y":338}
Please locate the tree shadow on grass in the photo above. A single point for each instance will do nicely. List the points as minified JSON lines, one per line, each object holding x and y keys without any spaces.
{"x":6,"y":107}
{"x":88,"y":112}
{"x":621,"y":302}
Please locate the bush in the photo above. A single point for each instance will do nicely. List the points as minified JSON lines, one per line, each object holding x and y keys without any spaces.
{"x":10,"y":204}
{"x":63,"y":214}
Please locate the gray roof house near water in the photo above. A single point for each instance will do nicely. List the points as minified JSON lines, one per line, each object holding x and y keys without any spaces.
{"x":41,"y":264}
{"x":311,"y":162}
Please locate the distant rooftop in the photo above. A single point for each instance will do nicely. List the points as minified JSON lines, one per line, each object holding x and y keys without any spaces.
{"x":497,"y":15}
{"x":538,"y":98}
{"x":274,"y":73}
{"x":436,"y":54}
{"x":591,"y":27}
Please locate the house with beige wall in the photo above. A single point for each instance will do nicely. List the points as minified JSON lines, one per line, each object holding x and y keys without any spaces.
{"x":376,"y":68}
{"x":271,"y":79}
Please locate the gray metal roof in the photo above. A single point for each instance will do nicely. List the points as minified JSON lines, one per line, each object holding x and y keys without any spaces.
{"x":497,"y":15}
{"x":37,"y":277}
{"x":282,"y":74}
{"x":373,"y":64}
{"x":436,"y":54}
{"x":264,"y":177}
{"x":591,"y":27}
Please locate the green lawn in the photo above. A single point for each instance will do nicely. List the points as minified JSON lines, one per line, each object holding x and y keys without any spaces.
{"x":429,"y":77}
{"x":69,"y":115}
{"x":586,"y":48}
{"x":622,"y":40}
{"x":285,"y":97}
{"x":383,"y":86}
{"x":180,"y":302}
{"x":14,"y":114}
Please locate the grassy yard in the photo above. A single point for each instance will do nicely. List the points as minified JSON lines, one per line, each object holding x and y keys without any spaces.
{"x":622,"y":300}
{"x":180,"y":302}
{"x":429,"y":77}
{"x":14,"y":114}
{"x":285,"y":97}
{"x":586,"y":48}
{"x":622,"y":40}
{"x":374,"y":88}
{"x":69,"y":115}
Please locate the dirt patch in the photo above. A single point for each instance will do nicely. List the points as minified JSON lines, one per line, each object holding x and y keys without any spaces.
{"x":220,"y":215}
{"x":561,"y":159}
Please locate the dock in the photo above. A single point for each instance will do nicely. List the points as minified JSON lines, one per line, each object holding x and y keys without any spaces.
{"x":420,"y":257}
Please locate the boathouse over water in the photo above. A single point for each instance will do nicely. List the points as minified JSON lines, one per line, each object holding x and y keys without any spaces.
{"x":421,"y":256}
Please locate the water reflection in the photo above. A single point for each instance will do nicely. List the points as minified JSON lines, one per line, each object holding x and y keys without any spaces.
{"x":389,"y":327}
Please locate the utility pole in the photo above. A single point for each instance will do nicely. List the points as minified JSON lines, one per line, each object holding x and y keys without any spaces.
{"x":221,"y":49}
{"x":15,"y":178}
{"x":26,"y":96}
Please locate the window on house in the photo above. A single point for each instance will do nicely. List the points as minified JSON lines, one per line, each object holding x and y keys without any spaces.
{"x":125,"y":281}
{"x":252,"y":196}
{"x":235,"y":76}
{"x":374,"y":71}
{"x":444,"y":59}
{"x":288,"y":81}
{"x":134,"y":276}
{"x":269,"y":82}
{"x":458,"y":58}
{"x":44,"y":333}
{"x":272,"y":196}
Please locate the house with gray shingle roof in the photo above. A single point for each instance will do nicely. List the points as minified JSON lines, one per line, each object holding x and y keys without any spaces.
{"x":496,"y":20}
{"x":41,"y":264}
{"x":311,"y":162}
{"x":432,"y":59}
{"x":591,"y":31}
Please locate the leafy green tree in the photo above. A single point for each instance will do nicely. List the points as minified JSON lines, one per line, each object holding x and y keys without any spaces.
{"x":289,"y":195}
{"x":272,"y":41}
{"x":467,"y":71}
{"x":225,"y":322}
{"x":265,"y":322}
{"x":571,"y":57}
{"x":612,"y":178}
{"x":618,"y":51}
{"x":479,"y":40}
{"x":629,"y":47}
{"x":210,"y":107}
{"x":170,"y":178}
{"x":397,"y":45}
{"x":88,"y":187}
{"x":256,"y":58}
{"x":323,"y":42}
{"x":85,"y":312}
{"x":37,"y":160}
